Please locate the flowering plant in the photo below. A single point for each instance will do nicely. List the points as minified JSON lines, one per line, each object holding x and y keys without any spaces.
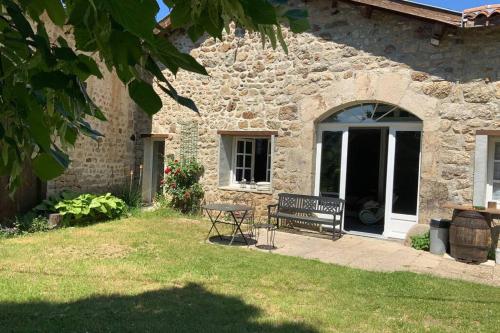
{"x":181,"y":183}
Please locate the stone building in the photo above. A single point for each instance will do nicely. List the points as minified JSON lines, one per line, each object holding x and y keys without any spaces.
{"x":391,"y":105}
{"x":106,"y":164}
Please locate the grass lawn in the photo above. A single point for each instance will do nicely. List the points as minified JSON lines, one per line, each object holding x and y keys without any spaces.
{"x":154,"y":273}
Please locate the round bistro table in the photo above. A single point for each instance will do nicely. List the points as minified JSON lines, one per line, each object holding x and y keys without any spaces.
{"x":214,"y":212}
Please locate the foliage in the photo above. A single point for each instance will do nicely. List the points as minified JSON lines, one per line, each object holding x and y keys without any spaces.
{"x":421,"y":242}
{"x":182,"y":184}
{"x":32,"y":223}
{"x":27,"y":223}
{"x":160,"y":201}
{"x":48,"y":205}
{"x":131,"y":194}
{"x":44,"y":105}
{"x":491,"y":254}
{"x":90,"y":206}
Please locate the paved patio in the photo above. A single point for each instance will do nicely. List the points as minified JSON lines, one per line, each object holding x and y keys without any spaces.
{"x":380,"y":255}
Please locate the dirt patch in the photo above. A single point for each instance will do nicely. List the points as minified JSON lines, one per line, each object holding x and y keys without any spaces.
{"x":100,"y":251}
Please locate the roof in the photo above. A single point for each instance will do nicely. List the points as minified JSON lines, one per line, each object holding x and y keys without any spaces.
{"x":426,"y":12}
{"x":484,"y":16}
{"x":488,"y":15}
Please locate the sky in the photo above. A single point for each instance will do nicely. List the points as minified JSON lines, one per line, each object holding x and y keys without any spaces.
{"x":457,"y":5}
{"x":164,"y":10}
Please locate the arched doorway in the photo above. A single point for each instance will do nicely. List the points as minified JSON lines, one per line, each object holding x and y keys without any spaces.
{"x":369,"y":155}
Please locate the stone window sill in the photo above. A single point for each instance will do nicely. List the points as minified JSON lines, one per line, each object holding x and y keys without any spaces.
{"x":236,"y":188}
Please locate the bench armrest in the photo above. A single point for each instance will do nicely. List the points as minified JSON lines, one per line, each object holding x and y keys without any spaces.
{"x":271,"y":209}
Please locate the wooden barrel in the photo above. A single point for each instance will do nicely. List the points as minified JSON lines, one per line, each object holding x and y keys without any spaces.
{"x":470,"y":237}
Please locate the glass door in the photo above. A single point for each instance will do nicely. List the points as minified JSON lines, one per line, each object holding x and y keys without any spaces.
{"x":331,"y":158}
{"x":403,"y":178}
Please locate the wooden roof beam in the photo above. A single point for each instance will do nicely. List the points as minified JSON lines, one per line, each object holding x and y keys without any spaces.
{"x":416,"y":10}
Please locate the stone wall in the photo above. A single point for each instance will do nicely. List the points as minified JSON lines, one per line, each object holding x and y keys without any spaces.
{"x":454,"y":88}
{"x":103,"y":165}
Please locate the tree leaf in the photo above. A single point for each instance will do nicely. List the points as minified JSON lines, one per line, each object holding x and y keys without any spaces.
{"x":180,"y":14}
{"x":298,"y":26}
{"x":195,"y":32}
{"x":38,"y":129}
{"x":184,"y":101}
{"x":55,"y":10}
{"x":144,"y":95}
{"x":70,"y":135}
{"x":173,"y":58}
{"x":260,"y":11}
{"x":19,"y":20}
{"x":54,"y":80}
{"x":91,"y":65}
{"x":137,"y":16}
{"x":46,"y":167}
{"x":211,"y":21}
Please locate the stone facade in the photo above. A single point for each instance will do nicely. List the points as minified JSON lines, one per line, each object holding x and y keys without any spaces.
{"x":103,"y":165}
{"x":346,"y":59}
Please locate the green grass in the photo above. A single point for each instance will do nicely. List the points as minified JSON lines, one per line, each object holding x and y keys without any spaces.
{"x":153,"y":272}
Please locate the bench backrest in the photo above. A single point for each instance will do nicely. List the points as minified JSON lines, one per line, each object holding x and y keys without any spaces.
{"x":309,"y":204}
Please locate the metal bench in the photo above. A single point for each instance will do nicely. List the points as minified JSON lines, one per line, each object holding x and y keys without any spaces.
{"x":308,"y":209}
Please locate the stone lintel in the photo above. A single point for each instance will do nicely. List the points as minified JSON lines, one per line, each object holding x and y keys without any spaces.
{"x":156,"y":136}
{"x":488,"y":132}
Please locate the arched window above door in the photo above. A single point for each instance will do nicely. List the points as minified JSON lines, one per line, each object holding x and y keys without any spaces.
{"x":371,"y":113}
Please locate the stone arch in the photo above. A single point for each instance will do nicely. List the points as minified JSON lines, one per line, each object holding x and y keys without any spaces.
{"x":341,"y":108}
{"x":395,"y":88}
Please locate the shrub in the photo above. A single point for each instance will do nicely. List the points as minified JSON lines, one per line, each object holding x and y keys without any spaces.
{"x":130,"y":194}
{"x":91,"y":207}
{"x":27,"y":223}
{"x":182,"y":184}
{"x":8,"y":232}
{"x":491,"y":254}
{"x":48,"y":205}
{"x":421,"y":242}
{"x":31,"y":223}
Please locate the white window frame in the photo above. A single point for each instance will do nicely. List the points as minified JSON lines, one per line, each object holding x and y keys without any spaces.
{"x":492,"y":141}
{"x":235,"y":154}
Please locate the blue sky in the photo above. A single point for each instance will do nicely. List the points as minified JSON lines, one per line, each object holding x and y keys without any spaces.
{"x":163,"y":10}
{"x":457,"y":5}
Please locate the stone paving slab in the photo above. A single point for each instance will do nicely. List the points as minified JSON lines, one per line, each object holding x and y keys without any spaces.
{"x":380,"y":255}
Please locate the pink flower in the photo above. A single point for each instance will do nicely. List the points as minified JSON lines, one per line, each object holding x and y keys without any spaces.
{"x":168,"y":170}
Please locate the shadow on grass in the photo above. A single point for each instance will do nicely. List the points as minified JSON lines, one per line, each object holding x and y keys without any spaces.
{"x":188,"y":309}
{"x":238,"y":240}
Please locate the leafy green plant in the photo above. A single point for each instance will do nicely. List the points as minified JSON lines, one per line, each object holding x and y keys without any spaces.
{"x":491,"y":254}
{"x":6,"y":232}
{"x":27,"y":223}
{"x":131,"y":194}
{"x":421,"y":242}
{"x":31,"y":223}
{"x":48,"y":205}
{"x":182,"y":184}
{"x":90,"y":206}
